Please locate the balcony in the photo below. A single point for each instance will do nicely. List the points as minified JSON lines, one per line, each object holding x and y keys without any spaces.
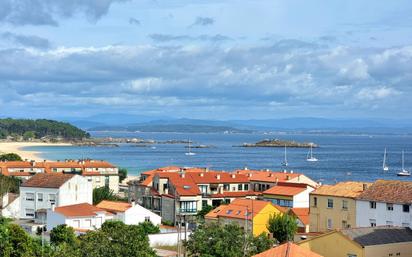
{"x":189,"y":211}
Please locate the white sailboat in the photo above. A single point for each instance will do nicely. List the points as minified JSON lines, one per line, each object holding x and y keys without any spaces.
{"x":404,"y":172}
{"x":384,"y":165}
{"x":190,"y":149}
{"x":310,"y":157}
{"x":285,"y":161}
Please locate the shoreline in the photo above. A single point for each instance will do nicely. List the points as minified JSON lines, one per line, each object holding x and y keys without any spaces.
{"x":18,"y":148}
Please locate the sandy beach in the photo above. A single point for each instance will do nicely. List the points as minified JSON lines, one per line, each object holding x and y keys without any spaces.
{"x":18,"y":148}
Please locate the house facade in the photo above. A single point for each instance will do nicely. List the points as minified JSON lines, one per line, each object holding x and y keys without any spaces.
{"x":43,"y":190}
{"x":385,"y":202}
{"x":334,"y":206}
{"x":289,"y":195}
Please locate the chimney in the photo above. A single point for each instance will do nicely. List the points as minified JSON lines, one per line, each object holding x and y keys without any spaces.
{"x":285,"y":171}
{"x":218,"y":176}
{"x":33,"y":163}
{"x":182,"y":175}
{"x":270,"y":175}
{"x":53,"y":206}
{"x":365,"y":186}
{"x":287,"y":177}
{"x":201,"y":174}
{"x":249,"y":175}
{"x":291,"y":171}
{"x":267,"y":170}
{"x":246,"y":168}
{"x":233,"y":176}
{"x":133,"y":203}
{"x":207,"y":169}
{"x":277,"y":180}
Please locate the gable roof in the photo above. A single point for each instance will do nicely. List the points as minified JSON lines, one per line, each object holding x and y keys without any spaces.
{"x":349,"y":189}
{"x":78,"y":210}
{"x":302,"y":214}
{"x":286,"y":190}
{"x":390,"y":191}
{"x":268,"y":176}
{"x":48,"y":180}
{"x":378,"y":235}
{"x":288,"y":249}
{"x":113,"y":206}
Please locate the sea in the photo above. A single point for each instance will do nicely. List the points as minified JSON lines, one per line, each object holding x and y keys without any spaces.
{"x":341,"y":157}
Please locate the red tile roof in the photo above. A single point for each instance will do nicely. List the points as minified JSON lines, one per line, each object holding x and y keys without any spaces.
{"x":389,"y":191}
{"x":78,"y":210}
{"x":236,"y":194}
{"x":286,"y":190}
{"x":48,"y":180}
{"x":302,"y":214}
{"x":268,"y":176}
{"x":288,"y":249}
{"x":216,"y":177}
{"x":113,"y":206}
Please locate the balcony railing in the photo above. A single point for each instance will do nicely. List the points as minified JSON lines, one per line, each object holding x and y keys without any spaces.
{"x":187,"y":211}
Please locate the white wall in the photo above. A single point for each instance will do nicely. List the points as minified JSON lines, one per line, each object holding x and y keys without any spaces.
{"x":12,"y":210}
{"x":137,"y":214}
{"x":301,"y":200}
{"x":90,"y":223}
{"x":166,"y":238}
{"x":364,"y":213}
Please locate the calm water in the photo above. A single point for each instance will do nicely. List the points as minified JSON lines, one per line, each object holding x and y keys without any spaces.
{"x":340,"y":157}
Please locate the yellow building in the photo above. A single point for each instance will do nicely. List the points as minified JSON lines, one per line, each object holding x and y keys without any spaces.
{"x":253,"y":215}
{"x":334,"y":206}
{"x":362,"y":242}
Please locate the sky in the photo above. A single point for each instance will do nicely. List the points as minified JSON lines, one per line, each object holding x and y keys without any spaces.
{"x":206,"y":59}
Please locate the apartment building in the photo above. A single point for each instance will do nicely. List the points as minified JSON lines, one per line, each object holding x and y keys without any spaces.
{"x":100,"y":173}
{"x":334,"y":206}
{"x":290,"y":195}
{"x":385,"y":202}
{"x":43,"y":190}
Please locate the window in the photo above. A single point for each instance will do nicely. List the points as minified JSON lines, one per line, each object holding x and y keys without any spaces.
{"x":98,"y":179}
{"x":239,"y":187}
{"x":147,"y":218}
{"x":329,"y":224}
{"x":29,"y":212}
{"x":204,"y":203}
{"x":389,"y":206}
{"x":344,"y":224}
{"x":40,"y":197}
{"x":398,"y":254}
{"x":352,"y":255}
{"x":226,"y":187}
{"x":372,"y":205}
{"x":88,"y":223}
{"x":29,"y":196}
{"x":229,"y":211}
{"x":344,"y":205}
{"x":389,"y":223}
{"x":315,"y":202}
{"x":246,"y":187}
{"x":233,"y":189}
{"x":52,"y":198}
{"x":372,"y":222}
{"x":405,"y":208}
{"x":330,"y":203}
{"x":203,"y":189}
{"x":76,"y":223}
{"x":165,"y":186}
{"x":188,"y":206}
{"x":282,"y":202}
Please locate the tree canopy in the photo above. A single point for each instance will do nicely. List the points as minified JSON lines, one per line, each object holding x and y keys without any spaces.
{"x":122,"y":174}
{"x":31,"y":129}
{"x":9,"y":185}
{"x":10,"y":157}
{"x":105,"y":193}
{"x":283,"y":227}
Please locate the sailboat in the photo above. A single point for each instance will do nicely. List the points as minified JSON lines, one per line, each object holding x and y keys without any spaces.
{"x":285,"y":161}
{"x":384,"y":165}
{"x":404,"y":172}
{"x":190,"y":149}
{"x":310,"y":157}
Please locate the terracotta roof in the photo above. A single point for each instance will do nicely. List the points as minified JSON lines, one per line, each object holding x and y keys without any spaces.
{"x":288,"y":249}
{"x":390,"y":191}
{"x":97,"y":164}
{"x":215,"y":177}
{"x":302,"y":214}
{"x":268,"y":176}
{"x":237,"y":208}
{"x":48,"y":180}
{"x":79,"y":210}
{"x":113,"y":206}
{"x":350,"y":189}
{"x":184,"y":185}
{"x":286,"y":190}
{"x":213,"y":214}
{"x":236,"y":194}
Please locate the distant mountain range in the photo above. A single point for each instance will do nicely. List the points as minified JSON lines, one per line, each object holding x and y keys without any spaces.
{"x":129,"y":122}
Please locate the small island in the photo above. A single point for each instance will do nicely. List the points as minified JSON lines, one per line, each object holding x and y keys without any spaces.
{"x":279,"y":143}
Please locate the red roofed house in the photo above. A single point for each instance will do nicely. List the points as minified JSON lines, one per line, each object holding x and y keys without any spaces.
{"x":288,"y":249}
{"x":291,"y":195}
{"x":302,"y":217}
{"x":81,"y":217}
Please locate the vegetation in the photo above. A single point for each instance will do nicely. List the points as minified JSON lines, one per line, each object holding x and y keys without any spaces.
{"x":122,"y":174}
{"x":279,"y":143}
{"x":36,"y":129}
{"x":283,"y":227}
{"x":230,"y":240}
{"x":9,"y":185}
{"x":10,"y":157}
{"x":168,"y":223}
{"x":105,"y":193}
{"x":205,"y":210}
{"x":114,"y":239}
{"x":149,"y":228}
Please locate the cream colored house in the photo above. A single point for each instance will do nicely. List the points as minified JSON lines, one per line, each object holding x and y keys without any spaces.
{"x":362,"y":242}
{"x":334,"y":206}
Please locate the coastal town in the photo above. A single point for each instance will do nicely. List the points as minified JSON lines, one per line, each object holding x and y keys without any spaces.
{"x":349,"y":218}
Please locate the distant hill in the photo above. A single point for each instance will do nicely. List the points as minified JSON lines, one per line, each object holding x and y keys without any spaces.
{"x":184,"y":128}
{"x":36,"y":129}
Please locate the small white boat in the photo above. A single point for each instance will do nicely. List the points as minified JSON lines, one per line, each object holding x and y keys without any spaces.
{"x":285,"y":161}
{"x":384,"y":165}
{"x":310,"y":157}
{"x":404,"y":172}
{"x":190,"y":153}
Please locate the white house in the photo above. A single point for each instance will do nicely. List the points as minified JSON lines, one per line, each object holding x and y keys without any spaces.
{"x":129,"y":213}
{"x":81,"y":217}
{"x":385,"y":202}
{"x":10,"y":206}
{"x":290,"y":195}
{"x":44,"y":189}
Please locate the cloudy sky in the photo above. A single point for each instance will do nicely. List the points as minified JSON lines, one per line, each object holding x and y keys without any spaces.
{"x":208,"y":59}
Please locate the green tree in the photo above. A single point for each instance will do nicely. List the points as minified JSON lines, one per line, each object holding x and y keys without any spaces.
{"x":122,"y":174}
{"x":205,"y":210}
{"x":149,"y":228}
{"x":283,"y":227}
{"x":63,"y":234}
{"x":230,"y":240}
{"x":9,"y":185}
{"x":261,"y":243}
{"x":29,"y":135}
{"x":103,"y":193}
{"x":10,"y":157}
